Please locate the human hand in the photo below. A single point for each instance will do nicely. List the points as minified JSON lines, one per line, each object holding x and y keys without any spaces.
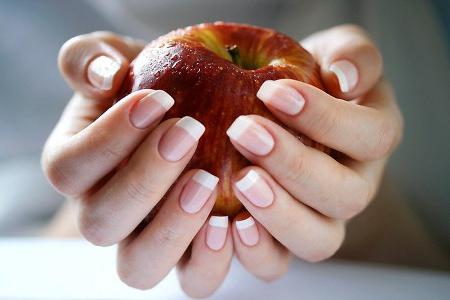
{"x":297,"y":194}
{"x":118,"y":162}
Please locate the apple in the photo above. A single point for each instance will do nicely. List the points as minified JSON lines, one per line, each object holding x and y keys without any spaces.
{"x":213,"y":72}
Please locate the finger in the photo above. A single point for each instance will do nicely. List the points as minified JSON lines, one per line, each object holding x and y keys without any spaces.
{"x":257,"y":250}
{"x":204,"y":268}
{"x":95,"y":64}
{"x":145,"y":259}
{"x":303,"y":231}
{"x":310,"y":175}
{"x":363,"y":132}
{"x":129,"y":47}
{"x":112,"y":212}
{"x":350,"y":63}
{"x":75,"y":162}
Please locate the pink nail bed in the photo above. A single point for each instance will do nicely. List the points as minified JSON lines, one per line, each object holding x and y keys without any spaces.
{"x":197,"y":191}
{"x":346,"y":73}
{"x":101,"y":72}
{"x":180,"y":139}
{"x":248,"y":232}
{"x":255,"y":189}
{"x":282,"y":97}
{"x":251,"y":136}
{"x":216,"y":232}
{"x":150,"y":108}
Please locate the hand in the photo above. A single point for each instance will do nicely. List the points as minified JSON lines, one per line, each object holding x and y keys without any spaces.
{"x":300,"y":195}
{"x":118,"y":162}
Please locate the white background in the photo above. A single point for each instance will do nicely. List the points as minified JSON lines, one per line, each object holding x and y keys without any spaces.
{"x":73,"y":269}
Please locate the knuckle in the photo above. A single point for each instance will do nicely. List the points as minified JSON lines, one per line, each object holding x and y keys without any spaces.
{"x":52,"y":163}
{"x":351,"y":206}
{"x":361,"y":42}
{"x":93,"y":230}
{"x":388,"y":137}
{"x":298,"y":171}
{"x":350,"y":209}
{"x":372,"y":54}
{"x":328,"y":247}
{"x":168,"y":236}
{"x":112,"y":147}
{"x":70,"y":53}
{"x":325,"y":123}
{"x":354,"y":30}
{"x":138,"y":191}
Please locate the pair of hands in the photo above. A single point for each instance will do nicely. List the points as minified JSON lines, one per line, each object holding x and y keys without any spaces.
{"x":298,"y":197}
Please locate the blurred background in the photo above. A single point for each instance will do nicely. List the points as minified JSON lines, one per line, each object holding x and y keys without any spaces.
{"x":414,"y":38}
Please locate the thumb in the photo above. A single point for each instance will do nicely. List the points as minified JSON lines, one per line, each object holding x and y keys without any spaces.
{"x":350,"y":62}
{"x":96,"y":64}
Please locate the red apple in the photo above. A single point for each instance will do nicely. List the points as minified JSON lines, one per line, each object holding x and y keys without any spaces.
{"x":213,"y":72}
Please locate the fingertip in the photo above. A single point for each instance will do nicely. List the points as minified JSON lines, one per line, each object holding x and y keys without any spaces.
{"x":346,"y":74}
{"x":101,"y":72}
{"x":92,"y":67}
{"x":245,"y":230}
{"x":202,"y":270}
{"x":350,"y":62}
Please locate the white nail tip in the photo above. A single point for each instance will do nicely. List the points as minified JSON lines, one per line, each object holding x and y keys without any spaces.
{"x":218,"y":221}
{"x":205,"y":179}
{"x":238,"y":127}
{"x":247,"y":181}
{"x":244,"y":224}
{"x":192,"y":126}
{"x":266,"y":90}
{"x":343,"y":83}
{"x":104,"y":68}
{"x":163,"y":98}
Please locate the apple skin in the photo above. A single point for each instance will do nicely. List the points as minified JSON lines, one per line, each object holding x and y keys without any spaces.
{"x":195,"y":68}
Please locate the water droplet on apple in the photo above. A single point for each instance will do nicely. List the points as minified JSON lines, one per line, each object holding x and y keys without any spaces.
{"x":175,"y":64}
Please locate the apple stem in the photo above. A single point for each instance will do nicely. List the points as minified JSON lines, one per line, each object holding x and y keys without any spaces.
{"x":233,"y":50}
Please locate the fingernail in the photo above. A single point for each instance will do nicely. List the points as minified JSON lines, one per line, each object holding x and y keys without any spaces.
{"x":248,"y":232}
{"x":147,"y":110}
{"x":282,"y":97}
{"x":255,"y":189}
{"x":197,"y":191}
{"x":179,"y":139}
{"x":216,"y":232}
{"x":251,"y":136}
{"x":346,"y":73}
{"x":101,"y":72}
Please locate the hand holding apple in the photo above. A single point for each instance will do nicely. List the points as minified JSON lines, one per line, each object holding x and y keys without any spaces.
{"x":307,"y":193}
{"x":111,"y":161}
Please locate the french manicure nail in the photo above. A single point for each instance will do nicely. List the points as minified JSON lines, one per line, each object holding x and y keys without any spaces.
{"x":180,"y":138}
{"x":251,"y":136}
{"x":101,"y":72}
{"x":147,"y":110}
{"x":216,"y":232}
{"x":346,"y":73}
{"x":248,"y":232}
{"x":282,"y":97}
{"x":197,"y":191}
{"x":255,"y":189}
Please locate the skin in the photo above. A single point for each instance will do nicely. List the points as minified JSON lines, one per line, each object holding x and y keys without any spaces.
{"x":312,"y":204}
